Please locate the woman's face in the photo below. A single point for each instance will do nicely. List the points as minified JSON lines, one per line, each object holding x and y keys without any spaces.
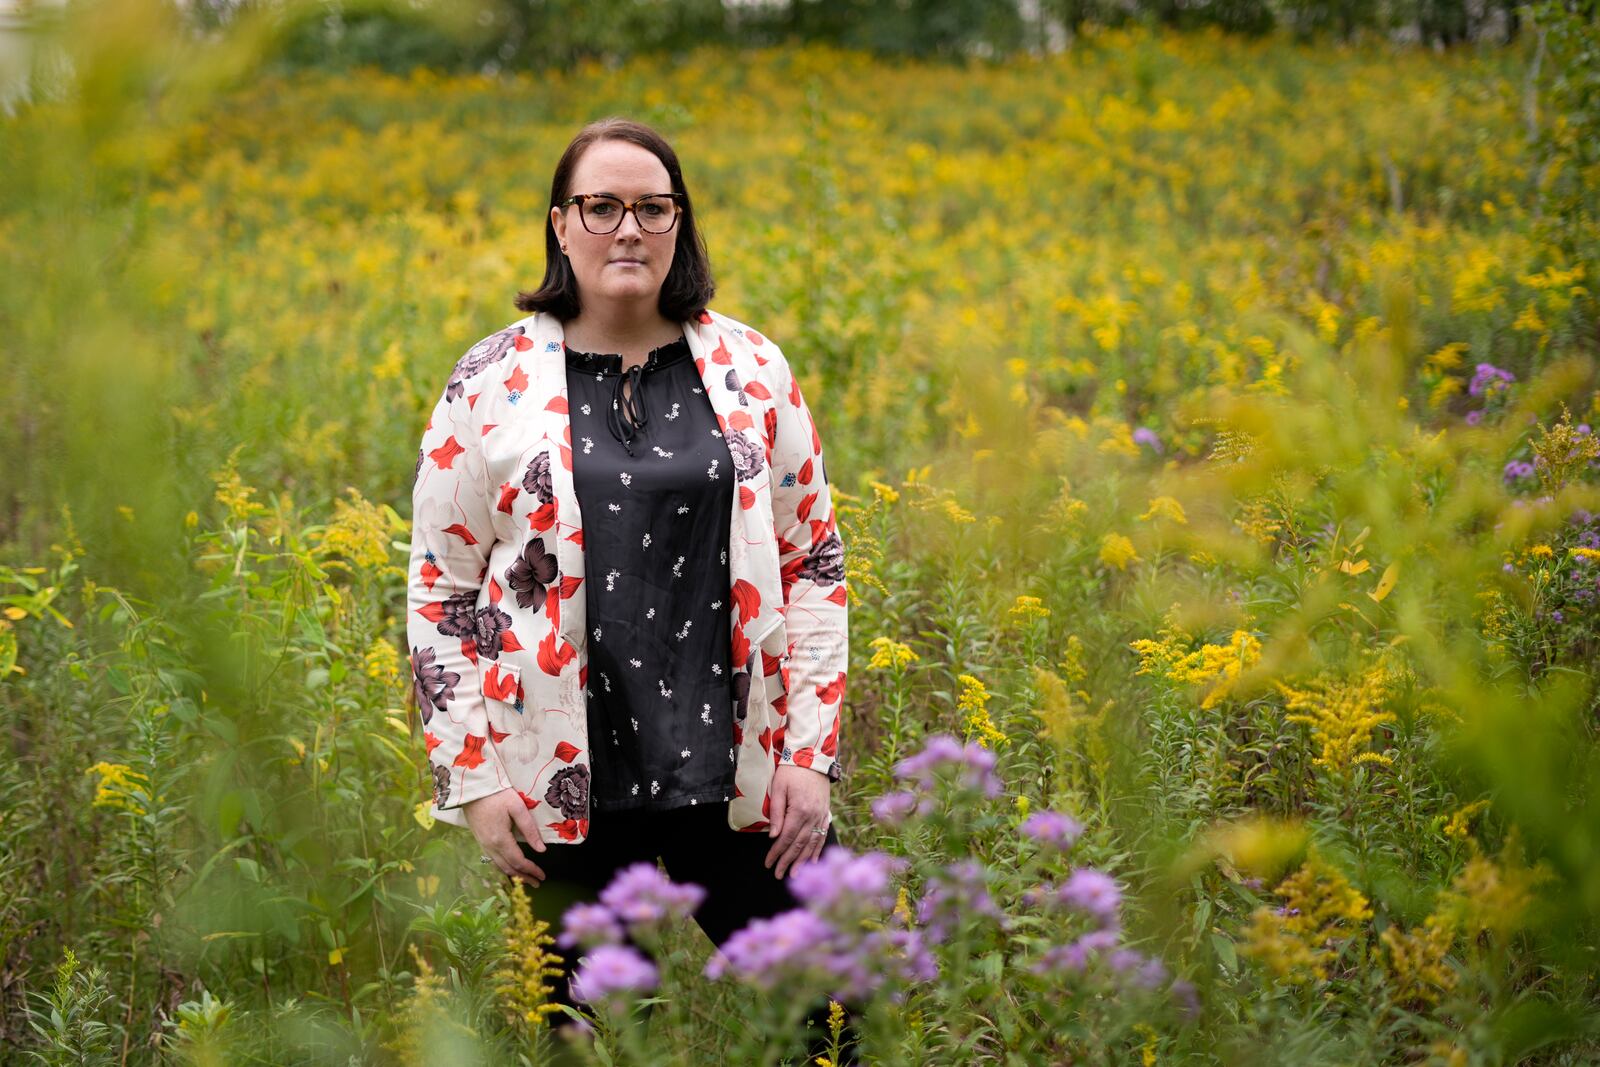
{"x":628,"y":264}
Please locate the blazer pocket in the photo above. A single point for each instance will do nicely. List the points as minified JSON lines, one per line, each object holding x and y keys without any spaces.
{"x":774,"y":647}
{"x":502,"y":694}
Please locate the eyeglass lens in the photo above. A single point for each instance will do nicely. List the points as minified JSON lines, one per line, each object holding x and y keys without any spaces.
{"x":603,"y":214}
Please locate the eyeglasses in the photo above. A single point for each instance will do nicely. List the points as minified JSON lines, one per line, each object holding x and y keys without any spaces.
{"x":602,"y":213}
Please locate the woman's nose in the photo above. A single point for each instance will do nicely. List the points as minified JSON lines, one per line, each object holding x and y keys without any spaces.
{"x":629,"y":226}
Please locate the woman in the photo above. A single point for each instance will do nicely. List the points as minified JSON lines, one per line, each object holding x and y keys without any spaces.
{"x":628,"y":611}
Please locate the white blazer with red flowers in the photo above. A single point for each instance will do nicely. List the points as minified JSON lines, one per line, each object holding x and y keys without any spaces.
{"x":495,"y":614}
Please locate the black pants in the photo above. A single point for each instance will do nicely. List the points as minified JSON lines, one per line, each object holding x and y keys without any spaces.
{"x":697,"y":845}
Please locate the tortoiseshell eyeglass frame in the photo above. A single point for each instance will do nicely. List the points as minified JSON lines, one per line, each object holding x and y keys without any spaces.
{"x":579,"y":198}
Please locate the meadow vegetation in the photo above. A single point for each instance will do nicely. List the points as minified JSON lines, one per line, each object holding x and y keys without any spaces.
{"x":1211,"y":424}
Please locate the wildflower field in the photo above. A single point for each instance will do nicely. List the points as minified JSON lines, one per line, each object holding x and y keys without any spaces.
{"x":1210,"y":425}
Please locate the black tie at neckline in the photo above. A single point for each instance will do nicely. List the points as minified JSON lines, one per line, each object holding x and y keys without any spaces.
{"x":631,"y":406}
{"x":628,"y":412}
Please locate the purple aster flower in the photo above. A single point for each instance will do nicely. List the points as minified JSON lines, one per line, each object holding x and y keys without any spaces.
{"x":955,"y":894}
{"x":1474,"y":417}
{"x":791,"y":948}
{"x":1075,"y":956}
{"x":1489,"y":380}
{"x":1188,"y":999}
{"x":1093,"y":892}
{"x":892,"y":809}
{"x":611,"y":974}
{"x":589,"y":925}
{"x":1517,"y":470}
{"x":1052,"y":828}
{"x":1148,"y":438}
{"x":642,"y":895}
{"x":976,"y":765}
{"x":842,"y":885}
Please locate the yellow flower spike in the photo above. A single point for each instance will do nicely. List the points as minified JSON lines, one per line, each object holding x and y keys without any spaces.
{"x":1117,"y":551}
{"x":974,"y":700}
{"x":1165,"y":507}
{"x":1028,"y":607}
{"x":1342,"y":716}
{"x":887,"y":494}
{"x":888,"y":654}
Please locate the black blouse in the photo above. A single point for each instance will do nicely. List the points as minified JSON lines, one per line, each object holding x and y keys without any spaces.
{"x":655,"y":483}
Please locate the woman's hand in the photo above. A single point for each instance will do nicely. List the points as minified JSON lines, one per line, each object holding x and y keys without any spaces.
{"x":799,"y":804}
{"x":490,"y":819}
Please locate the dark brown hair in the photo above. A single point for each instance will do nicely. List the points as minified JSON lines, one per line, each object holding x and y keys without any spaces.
{"x":687,"y":289}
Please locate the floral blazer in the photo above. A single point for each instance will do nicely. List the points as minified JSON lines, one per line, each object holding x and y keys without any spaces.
{"x":495,"y":611}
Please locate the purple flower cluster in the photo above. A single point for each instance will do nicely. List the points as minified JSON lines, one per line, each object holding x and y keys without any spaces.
{"x":1516,"y":471}
{"x":589,"y":925}
{"x":611,"y":975}
{"x":1147,"y":437}
{"x":642,"y":897}
{"x":844,"y":886}
{"x":893,"y":809}
{"x":1490,"y":380}
{"x":825,"y":945}
{"x":974,"y":763}
{"x":1053,"y":828}
{"x":955,"y":895}
{"x":790,"y":947}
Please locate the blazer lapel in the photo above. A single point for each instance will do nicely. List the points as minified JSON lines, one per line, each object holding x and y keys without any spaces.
{"x":727,"y":367}
{"x":554,"y":431}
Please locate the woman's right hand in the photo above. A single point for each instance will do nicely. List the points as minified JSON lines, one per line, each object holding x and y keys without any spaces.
{"x":490,"y":819}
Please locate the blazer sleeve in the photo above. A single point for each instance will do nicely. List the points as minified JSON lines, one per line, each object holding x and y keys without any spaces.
{"x":452,"y":530}
{"x":811,"y":560}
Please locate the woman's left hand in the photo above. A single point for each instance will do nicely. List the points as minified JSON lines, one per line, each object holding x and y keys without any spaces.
{"x":799,"y":805}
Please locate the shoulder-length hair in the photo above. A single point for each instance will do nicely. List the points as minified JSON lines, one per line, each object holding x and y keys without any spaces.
{"x":687,"y":289}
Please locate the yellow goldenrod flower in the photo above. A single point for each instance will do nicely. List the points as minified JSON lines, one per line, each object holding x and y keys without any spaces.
{"x":382,"y":662}
{"x":886,"y":493}
{"x":1165,"y":507}
{"x":1298,"y":940}
{"x":889,"y":654}
{"x":1342,"y":716}
{"x":974,"y":700}
{"x":1490,"y":896}
{"x":520,"y":981}
{"x":1117,"y":551}
{"x":1459,"y":825}
{"x":116,"y":786}
{"x":1028,"y":607}
{"x":1415,"y":961}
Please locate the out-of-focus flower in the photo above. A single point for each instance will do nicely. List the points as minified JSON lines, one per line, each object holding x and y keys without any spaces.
{"x":611,"y":974}
{"x":641,"y":895}
{"x":1517,"y":470}
{"x":1117,"y":551}
{"x":1093,"y":892}
{"x":1147,"y":437}
{"x":1489,"y":380}
{"x":1053,"y":828}
{"x":589,"y":925}
{"x":956,"y":895}
{"x":842,"y":885}
{"x":792,"y":947}
{"x":975,"y":762}
{"x":892,"y":809}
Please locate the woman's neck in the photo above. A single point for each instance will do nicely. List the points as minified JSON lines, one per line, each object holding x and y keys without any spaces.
{"x":633,"y":337}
